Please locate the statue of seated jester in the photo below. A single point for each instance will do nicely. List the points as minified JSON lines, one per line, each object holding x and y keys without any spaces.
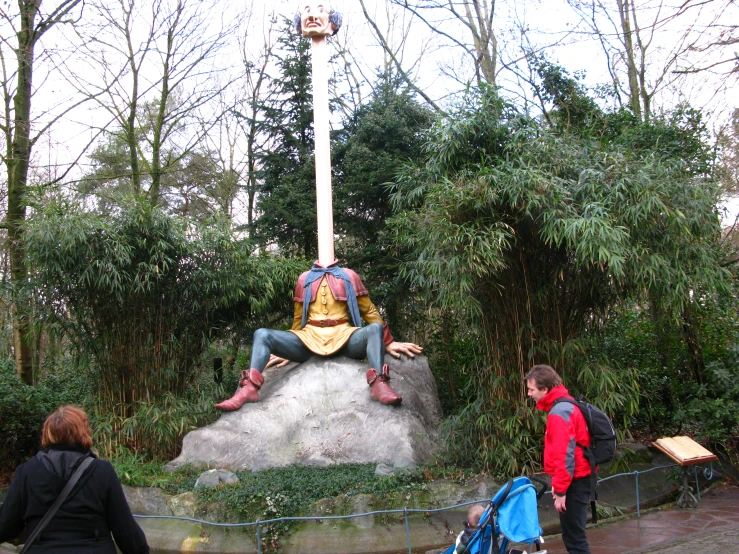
{"x":330,"y":303}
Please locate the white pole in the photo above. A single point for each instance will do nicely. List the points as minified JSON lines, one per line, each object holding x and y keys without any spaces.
{"x":324,"y":204}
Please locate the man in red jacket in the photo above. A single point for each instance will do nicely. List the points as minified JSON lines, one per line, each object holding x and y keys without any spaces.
{"x":563,"y":459}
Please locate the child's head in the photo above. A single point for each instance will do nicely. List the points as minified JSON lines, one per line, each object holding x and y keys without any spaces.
{"x":474,"y":514}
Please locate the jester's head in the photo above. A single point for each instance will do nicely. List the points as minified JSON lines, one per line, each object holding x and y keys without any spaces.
{"x":315,"y":18}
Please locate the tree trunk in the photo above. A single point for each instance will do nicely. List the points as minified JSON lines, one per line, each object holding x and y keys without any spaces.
{"x":634,"y":89}
{"x":130,"y":125}
{"x":486,"y":45}
{"x":158,"y":131}
{"x":695,"y":350}
{"x":17,"y":167}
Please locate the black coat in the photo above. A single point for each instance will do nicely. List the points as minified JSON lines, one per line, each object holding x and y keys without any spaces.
{"x":95,"y":508}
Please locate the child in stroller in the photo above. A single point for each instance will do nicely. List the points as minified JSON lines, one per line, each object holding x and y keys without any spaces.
{"x":470,"y":528}
{"x":511,"y":517}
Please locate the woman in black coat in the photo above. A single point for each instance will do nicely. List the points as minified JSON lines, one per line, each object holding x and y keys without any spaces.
{"x":95,"y":508}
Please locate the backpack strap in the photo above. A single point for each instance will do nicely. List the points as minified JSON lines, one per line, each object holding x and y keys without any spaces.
{"x":589,"y":456}
{"x":57,"y":503}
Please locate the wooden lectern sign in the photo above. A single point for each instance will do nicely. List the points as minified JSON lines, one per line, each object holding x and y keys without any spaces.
{"x":686,"y":452}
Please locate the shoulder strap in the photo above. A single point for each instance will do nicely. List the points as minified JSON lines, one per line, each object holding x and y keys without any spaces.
{"x":57,"y":503}
{"x":566,"y":399}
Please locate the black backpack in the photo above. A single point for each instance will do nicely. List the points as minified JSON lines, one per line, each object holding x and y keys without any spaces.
{"x":602,"y":446}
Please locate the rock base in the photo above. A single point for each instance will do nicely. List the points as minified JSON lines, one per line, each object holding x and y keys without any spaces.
{"x":319,"y":413}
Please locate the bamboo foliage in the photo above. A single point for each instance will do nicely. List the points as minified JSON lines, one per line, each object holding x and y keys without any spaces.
{"x":142,"y":298}
{"x":539,"y":234}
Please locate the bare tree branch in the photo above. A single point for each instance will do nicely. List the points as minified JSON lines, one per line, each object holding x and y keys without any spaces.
{"x":389,"y":51}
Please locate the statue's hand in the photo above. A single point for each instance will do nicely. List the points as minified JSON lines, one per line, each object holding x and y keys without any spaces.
{"x":410,"y":349}
{"x":276,"y":361}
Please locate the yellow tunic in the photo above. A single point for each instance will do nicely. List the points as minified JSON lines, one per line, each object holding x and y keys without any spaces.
{"x":329,"y":340}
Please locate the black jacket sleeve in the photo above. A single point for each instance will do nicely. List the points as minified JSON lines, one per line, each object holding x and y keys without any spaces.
{"x":12,"y":510}
{"x":128,"y":536}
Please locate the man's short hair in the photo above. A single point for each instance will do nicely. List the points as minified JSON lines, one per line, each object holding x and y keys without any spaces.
{"x":544,"y":377}
{"x":474,"y":514}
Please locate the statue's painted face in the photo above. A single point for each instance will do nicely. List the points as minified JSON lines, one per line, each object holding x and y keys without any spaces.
{"x":314,"y":18}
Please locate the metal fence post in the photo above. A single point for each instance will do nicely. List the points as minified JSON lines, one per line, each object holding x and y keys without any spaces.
{"x":259,"y":539}
{"x":638,"y":501}
{"x":407,"y":529}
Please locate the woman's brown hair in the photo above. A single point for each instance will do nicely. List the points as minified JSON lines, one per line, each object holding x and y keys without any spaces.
{"x":67,"y":425}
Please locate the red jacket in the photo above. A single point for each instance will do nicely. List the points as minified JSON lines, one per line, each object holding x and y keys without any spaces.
{"x":566,"y":426}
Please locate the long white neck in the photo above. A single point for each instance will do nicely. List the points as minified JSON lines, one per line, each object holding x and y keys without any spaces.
{"x":324,"y":204}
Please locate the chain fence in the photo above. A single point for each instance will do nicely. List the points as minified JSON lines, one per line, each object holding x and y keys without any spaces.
{"x":708,"y":473}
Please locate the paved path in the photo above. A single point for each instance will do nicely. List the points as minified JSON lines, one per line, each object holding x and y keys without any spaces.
{"x":712,"y":527}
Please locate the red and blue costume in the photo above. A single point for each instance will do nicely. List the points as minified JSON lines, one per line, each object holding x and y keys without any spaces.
{"x":330,"y":304}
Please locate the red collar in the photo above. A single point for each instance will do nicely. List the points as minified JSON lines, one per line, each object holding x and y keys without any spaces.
{"x":546,"y":403}
{"x":332,"y":264}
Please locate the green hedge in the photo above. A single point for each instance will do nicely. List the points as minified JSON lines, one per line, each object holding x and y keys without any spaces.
{"x":24,"y":408}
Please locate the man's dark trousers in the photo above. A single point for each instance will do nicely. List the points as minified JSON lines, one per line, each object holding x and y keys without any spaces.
{"x":573,"y":519}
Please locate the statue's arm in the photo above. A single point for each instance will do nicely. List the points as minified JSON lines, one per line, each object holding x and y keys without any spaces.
{"x":297,"y":316}
{"x":371,"y":314}
{"x":277,"y":361}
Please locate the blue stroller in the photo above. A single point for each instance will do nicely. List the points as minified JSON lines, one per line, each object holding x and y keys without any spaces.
{"x":511,"y":517}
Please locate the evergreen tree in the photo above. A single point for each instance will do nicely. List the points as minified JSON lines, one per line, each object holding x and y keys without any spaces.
{"x":287,"y":198}
{"x":368,"y":152}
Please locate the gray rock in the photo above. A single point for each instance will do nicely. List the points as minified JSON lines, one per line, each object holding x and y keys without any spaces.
{"x":403,"y":464}
{"x":634,"y":452}
{"x":174,"y":536}
{"x":627,"y":454}
{"x":214,"y":477}
{"x":444,"y":492}
{"x":379,"y":533}
{"x":362,"y":504}
{"x":183,"y":505}
{"x":400,"y":466}
{"x":147,"y":501}
{"x":384,"y":470}
{"x":319,"y":413}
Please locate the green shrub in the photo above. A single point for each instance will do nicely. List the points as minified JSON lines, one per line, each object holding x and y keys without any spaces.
{"x":134,"y":470}
{"x":674,"y":397}
{"x":538,"y":233}
{"x":712,"y":409}
{"x":141,"y":294}
{"x":23,"y":410}
{"x":289,"y":491}
{"x":154,"y":429}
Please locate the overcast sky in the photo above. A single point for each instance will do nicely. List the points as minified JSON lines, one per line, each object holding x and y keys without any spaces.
{"x":550,"y":25}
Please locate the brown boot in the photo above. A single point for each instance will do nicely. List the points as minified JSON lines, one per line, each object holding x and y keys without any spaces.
{"x":381,"y":390}
{"x":251,"y":382}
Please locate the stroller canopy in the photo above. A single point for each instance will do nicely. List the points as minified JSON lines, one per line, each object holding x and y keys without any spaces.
{"x":512,"y":513}
{"x":518,"y":518}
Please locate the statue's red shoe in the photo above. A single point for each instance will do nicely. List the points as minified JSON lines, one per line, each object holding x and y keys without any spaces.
{"x":381,"y":390}
{"x":251,"y":382}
